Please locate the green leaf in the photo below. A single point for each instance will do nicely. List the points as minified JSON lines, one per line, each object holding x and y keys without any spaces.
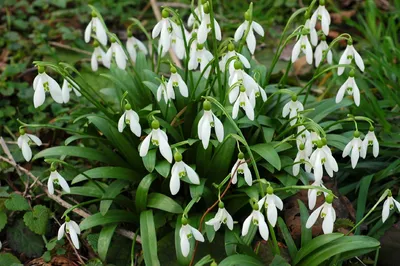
{"x":362,"y":199}
{"x":325,"y":107}
{"x":163,"y":168}
{"x":105,"y":238}
{"x":268,"y":152}
{"x":239,"y":260}
{"x":149,"y":160}
{"x":204,"y":260}
{"x":22,"y":240}
{"x":142,"y":191}
{"x":149,"y":238}
{"x":112,"y":191}
{"x":306,"y":233}
{"x":8,"y":259}
{"x":16,"y":202}
{"x":288,"y":238}
{"x":197,"y":190}
{"x":164,"y":203}
{"x":37,"y":219}
{"x":3,"y":220}
{"x":108,"y":172}
{"x":112,"y":216}
{"x":279,"y":261}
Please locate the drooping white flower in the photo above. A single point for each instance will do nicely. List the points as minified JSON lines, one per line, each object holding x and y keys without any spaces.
{"x":201,"y":56}
{"x":313,"y":33}
{"x":370,"y":140}
{"x":97,"y":27}
{"x":163,"y":92}
{"x":98,"y":55}
{"x":303,"y":45}
{"x":250,"y":38}
{"x":205,"y":26}
{"x":199,"y":12}
{"x":323,"y":15}
{"x":326,"y":212}
{"x":347,"y":57}
{"x":185,"y":233}
{"x":257,"y":218}
{"x":354,"y":146}
{"x":207,"y":121}
{"x":131,"y":118}
{"x":350,"y":86}
{"x":178,"y":45}
{"x":304,"y":138}
{"x":313,"y":138}
{"x":322,"y":157}
{"x":241,"y":167}
{"x":134,"y":45}
{"x":24,"y":140}
{"x":181,"y":169}
{"x":388,"y":205}
{"x":301,"y":158}
{"x":44,"y":83}
{"x":67,"y":87}
{"x":271,"y":202}
{"x":56,"y":178}
{"x":292,"y":108}
{"x":245,"y":103}
{"x":314,"y":192}
{"x":321,"y":49}
{"x":221,"y":217}
{"x":72,"y":228}
{"x":118,"y":53}
{"x":232,"y":54}
{"x":165,"y":28}
{"x":176,"y":81}
{"x":158,"y":138}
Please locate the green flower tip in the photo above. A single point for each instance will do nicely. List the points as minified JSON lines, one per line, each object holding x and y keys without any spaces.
{"x":371,"y":128}
{"x":247,"y":15}
{"x":128,"y":106}
{"x":320,"y":144}
{"x":204,"y":1}
{"x":184,"y":220}
{"x":206,"y":105}
{"x":155,"y":124}
{"x":305,"y":31}
{"x":323,"y":37}
{"x":242,"y":88}
{"x":255,"y":206}
{"x":67,"y":219}
{"x":22,"y":131}
{"x":96,"y":43}
{"x":352,"y":73}
{"x":221,"y":205}
{"x":241,"y":155}
{"x":112,"y":40}
{"x":173,"y":69}
{"x":294,"y":98}
{"x":356,"y":134}
{"x":165,"y":13}
{"x":350,"y":42}
{"x":238,"y":64}
{"x":194,"y":34}
{"x":94,"y":14}
{"x":389,"y":193}
{"x":53,"y":167}
{"x":329,"y":199}
{"x":200,"y":46}
{"x":213,"y":264}
{"x":324,"y":141}
{"x":129,"y":34}
{"x":321,"y":2}
{"x":270,"y":190}
{"x":302,"y":146}
{"x":206,"y":8}
{"x":178,"y":156}
{"x":231,"y":47}
{"x":40,"y":69}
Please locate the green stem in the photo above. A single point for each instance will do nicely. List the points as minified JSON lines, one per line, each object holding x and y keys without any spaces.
{"x":306,"y":187}
{"x":83,"y":204}
{"x":215,"y":46}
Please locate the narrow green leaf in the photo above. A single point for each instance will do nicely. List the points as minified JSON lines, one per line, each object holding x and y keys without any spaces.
{"x":149,"y":238}
{"x":279,"y":261}
{"x":239,"y":259}
{"x":288,"y":238}
{"x":111,"y":192}
{"x":164,"y":203}
{"x":104,"y":241}
{"x":362,"y":199}
{"x":163,"y":168}
{"x":142,"y":191}
{"x":109,"y":172}
{"x":306,"y":234}
{"x":112,"y":216}
{"x":267,"y":151}
{"x":205,"y":260}
{"x":149,"y":160}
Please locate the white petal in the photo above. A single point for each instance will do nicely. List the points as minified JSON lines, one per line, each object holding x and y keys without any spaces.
{"x":191,"y":174}
{"x":65,"y":91}
{"x":101,"y":32}
{"x":157,"y":29}
{"x":182,"y":87}
{"x":312,"y":198}
{"x":347,"y":149}
{"x":313,"y":217}
{"x":355,"y":154}
{"x":327,"y":224}
{"x":246,"y":225}
{"x":263,"y":228}
{"x":240,"y":31}
{"x":309,"y":52}
{"x":165,"y":149}
{"x":74,"y":237}
{"x":356,"y":94}
{"x":174,"y":184}
{"x":121,"y":122}
{"x":61,"y":231}
{"x":26,"y":151}
{"x":144,"y":148}
{"x":63,"y":183}
{"x":247,"y":175}
{"x":272,"y":214}
{"x":120,"y":57}
{"x":217,"y":30}
{"x":55,"y":90}
{"x":385,"y":210}
{"x":257,"y":28}
{"x":196,"y":234}
{"x":202,"y":32}
{"x":35,"y":139}
{"x":93,"y":62}
{"x":50,"y":186}
{"x":88,"y":31}
{"x":375,"y":147}
{"x":219,"y":128}
{"x":359,"y":61}
{"x":340,"y":93}
{"x":251,"y":42}
{"x":296,"y":51}
{"x":39,"y":95}
{"x":343,"y":60}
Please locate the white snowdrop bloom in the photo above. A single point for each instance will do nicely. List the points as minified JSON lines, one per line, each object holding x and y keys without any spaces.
{"x":118,"y":53}
{"x":350,"y":86}
{"x":199,"y":12}
{"x":163,"y":92}
{"x":158,"y":138}
{"x":250,"y":38}
{"x":176,"y":81}
{"x":165,"y":28}
{"x":134,"y":45}
{"x":97,"y":27}
{"x":303,"y":45}
{"x":322,"y":157}
{"x":388,"y":205}
{"x":304,"y":138}
{"x":56,"y":178}
{"x":24,"y":141}
{"x":347,"y":57}
{"x":257,"y":218}
{"x":313,"y":33}
{"x":178,"y":46}
{"x":323,"y":15}
{"x":200,"y":56}
{"x":72,"y":228}
{"x":205,"y":26}
{"x":98,"y":55}
{"x":181,"y":169}
{"x":354,"y":146}
{"x":221,"y":217}
{"x":131,"y":118}
{"x":245,"y":103}
{"x":241,"y":167}
{"x":314,"y":192}
{"x":44,"y":83}
{"x":321,"y":49}
{"x":326,"y":212}
{"x":314,"y":137}
{"x":206,"y":122}
{"x":185,"y":233}
{"x":292,"y":108}
{"x":232,"y":54}
{"x":370,"y":140}
{"x":301,"y":158}
{"x":67,"y":87}
{"x":271,"y":202}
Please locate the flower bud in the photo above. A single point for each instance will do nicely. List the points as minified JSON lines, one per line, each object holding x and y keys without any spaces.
{"x":184,"y":220}
{"x":112,"y":40}
{"x":129,"y":34}
{"x":302,"y":146}
{"x":53,"y":167}
{"x":238,"y":65}
{"x":155,"y":124}
{"x":294,"y":97}
{"x":67,"y":219}
{"x":96,"y":43}
{"x":356,"y":134}
{"x":206,"y":105}
{"x":255,"y":206}
{"x":371,"y":128}
{"x":270,"y":190}
{"x":352,"y":73}
{"x":213,"y":264}
{"x":173,"y":69}
{"x":22,"y":131}
{"x":206,"y":8}
{"x":324,"y":141}
{"x":350,"y":42}
{"x":320,"y":144}
{"x":40,"y":69}
{"x":178,"y":156}
{"x":94,"y":14}
{"x":241,"y":155}
{"x":221,"y":205}
{"x":242,"y":88}
{"x":165,"y":13}
{"x":321,"y":2}
{"x":231,"y":47}
{"x":247,"y":15}
{"x":128,"y":106}
{"x":329,"y":199}
{"x":200,"y":46}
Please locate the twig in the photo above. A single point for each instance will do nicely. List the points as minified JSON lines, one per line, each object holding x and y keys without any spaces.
{"x":181,"y":5}
{"x":67,"y":47}
{"x":178,"y":115}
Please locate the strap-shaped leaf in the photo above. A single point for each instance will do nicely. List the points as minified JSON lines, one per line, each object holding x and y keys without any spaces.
{"x":267,"y":151}
{"x":240,"y":259}
{"x":142,"y":191}
{"x":149,"y":238}
{"x":163,"y":202}
{"x":104,"y":241}
{"x":112,"y":216}
{"x":108,"y":172}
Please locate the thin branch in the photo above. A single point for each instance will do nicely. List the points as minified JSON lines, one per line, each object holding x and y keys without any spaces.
{"x":67,"y":47}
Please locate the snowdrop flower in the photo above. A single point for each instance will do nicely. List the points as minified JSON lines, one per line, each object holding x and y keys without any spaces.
{"x":271,"y":202}
{"x":350,"y":86}
{"x":176,"y":81}
{"x":200,"y":56}
{"x":313,"y":33}
{"x":199,"y":11}
{"x":207,"y":121}
{"x":303,"y":45}
{"x":72,"y":228}
{"x":118,"y":53}
{"x":292,"y":108}
{"x":321,"y":49}
{"x":133,"y":45}
{"x":250,"y":38}
{"x":314,"y":137}
{"x":67,"y":87}
{"x":354,"y":146}
{"x":181,"y":169}
{"x":257,"y":218}
{"x":370,"y":140}
{"x":44,"y":83}
{"x":97,"y":27}
{"x":245,"y":103}
{"x":323,"y":157}
{"x":301,"y":158}
{"x":323,"y":15}
{"x":162,"y":92}
{"x":178,"y":46}
{"x":241,"y":167}
{"x":56,"y":178}
{"x":205,"y":26}
{"x":185,"y":233}
{"x":98,"y":55}
{"x":158,"y":138}
{"x":24,"y":140}
{"x":131,"y":118}
{"x":304,"y":138}
{"x":232,"y":54}
{"x":165,"y":28}
{"x":221,"y":217}
{"x":347,"y":57}
{"x":388,"y":205}
{"x":314,"y":193}
{"x":326,"y":212}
